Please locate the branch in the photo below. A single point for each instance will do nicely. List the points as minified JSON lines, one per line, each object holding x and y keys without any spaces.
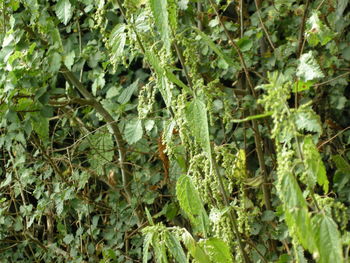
{"x":126,"y":174}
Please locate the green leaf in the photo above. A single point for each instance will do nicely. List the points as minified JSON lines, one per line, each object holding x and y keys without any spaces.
{"x":193,"y":247}
{"x":296,"y":212}
{"x":101,"y":153}
{"x":196,"y":115}
{"x":175,"y":248}
{"x":314,"y":164}
{"x":191,"y":203}
{"x":127,"y":92}
{"x":302,"y":86}
{"x":327,"y":239}
{"x":117,"y":40}
{"x":40,"y":125}
{"x":147,"y":241}
{"x":133,"y":131}
{"x":308,"y":68}
{"x":217,"y":249}
{"x":215,"y":48}
{"x":160,"y":14}
{"x":64,"y":11}
{"x":54,"y":62}
{"x":306,"y":119}
{"x":341,"y":164}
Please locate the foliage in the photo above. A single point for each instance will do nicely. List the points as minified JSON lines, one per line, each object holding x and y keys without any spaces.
{"x":174,"y":131}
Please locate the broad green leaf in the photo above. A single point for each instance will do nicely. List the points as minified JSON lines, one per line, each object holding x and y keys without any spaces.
{"x":314,"y":164}
{"x":64,"y":11}
{"x":308,"y":68}
{"x":341,"y":164}
{"x":133,"y":131}
{"x":175,"y":248}
{"x":302,"y":86}
{"x":218,"y":250}
{"x":101,"y":153}
{"x":308,"y":120}
{"x":296,"y":211}
{"x":54,"y":60}
{"x":127,"y":92}
{"x":327,"y":239}
{"x":160,"y":14}
{"x":116,"y":42}
{"x":155,"y":64}
{"x":196,"y":115}
{"x":215,"y":48}
{"x":193,"y":247}
{"x":191,"y":203}
{"x":40,"y":125}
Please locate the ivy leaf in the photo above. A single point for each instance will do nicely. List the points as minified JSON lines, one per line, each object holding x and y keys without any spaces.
{"x":314,"y":164}
{"x":101,"y":143}
{"x":133,"y":131}
{"x":308,"y":68}
{"x":196,"y":115}
{"x":64,"y":11}
{"x":217,"y":250}
{"x":327,"y":239}
{"x":160,"y":14}
{"x":191,"y":203}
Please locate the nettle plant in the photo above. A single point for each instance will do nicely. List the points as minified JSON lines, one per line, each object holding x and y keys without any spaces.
{"x":174,"y":131}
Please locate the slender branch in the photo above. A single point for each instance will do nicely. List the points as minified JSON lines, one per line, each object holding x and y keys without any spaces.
{"x":231,"y":214}
{"x":257,"y":136}
{"x":235,"y":46}
{"x":126,"y":174}
{"x":302,"y":30}
{"x":263,"y":25}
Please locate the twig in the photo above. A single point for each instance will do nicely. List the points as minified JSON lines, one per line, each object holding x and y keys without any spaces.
{"x":332,"y":138}
{"x":302,"y":30}
{"x":263,"y":26}
{"x":328,"y":81}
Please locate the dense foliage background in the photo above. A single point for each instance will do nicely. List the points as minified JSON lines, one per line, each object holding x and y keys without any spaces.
{"x":174,"y":131}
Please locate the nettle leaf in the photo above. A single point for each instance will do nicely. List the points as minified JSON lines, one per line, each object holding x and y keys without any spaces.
{"x":194,"y":248}
{"x":126,"y":94}
{"x":191,"y":203}
{"x":314,"y":164}
{"x":196,"y":115}
{"x":218,"y":250}
{"x":328,"y":239}
{"x":147,"y":241}
{"x":306,"y":119}
{"x":133,"y":131}
{"x":117,"y":40}
{"x":64,"y":11}
{"x":175,"y":248}
{"x":160,"y":14}
{"x":317,"y":32}
{"x":296,"y":211}
{"x":308,"y":68}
